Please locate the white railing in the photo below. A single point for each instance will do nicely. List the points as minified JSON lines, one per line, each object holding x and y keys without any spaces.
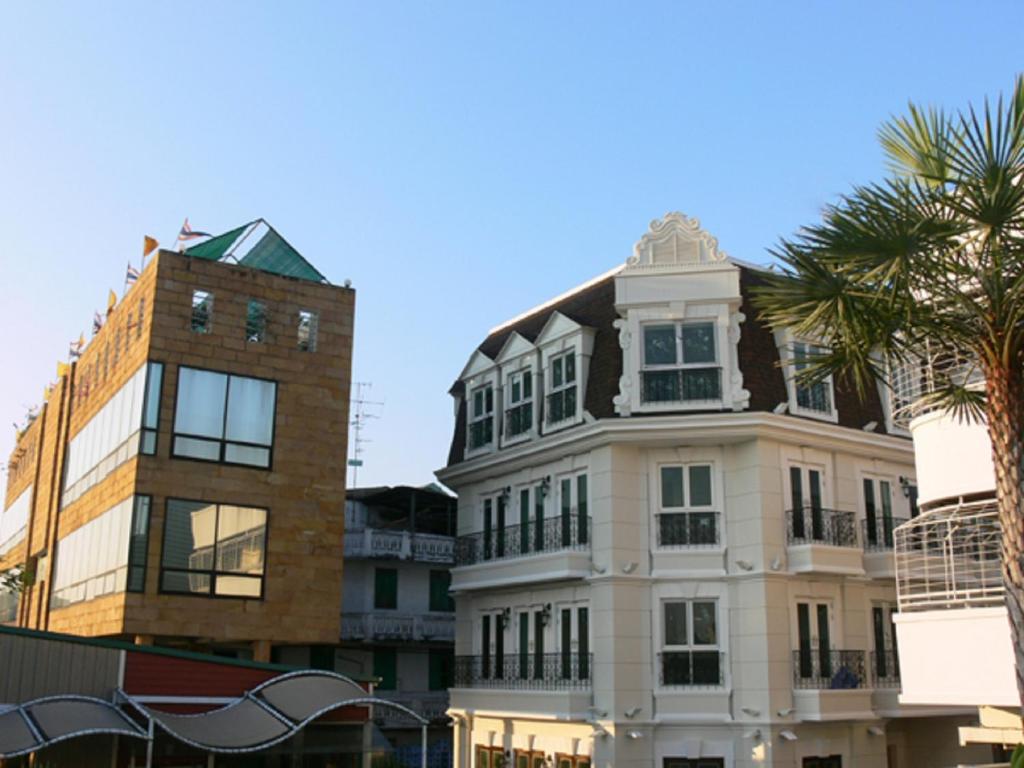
{"x":429,"y":704}
{"x":386,"y":626}
{"x":401,"y":545}
{"x":913,"y":382}
{"x":949,"y":558}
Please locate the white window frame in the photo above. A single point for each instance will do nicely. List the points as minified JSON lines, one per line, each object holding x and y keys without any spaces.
{"x":680,"y":363}
{"x":690,"y":646}
{"x":687,"y":507}
{"x":474,"y":418}
{"x":522,"y":377}
{"x":553,"y":389}
{"x":787,"y":344}
{"x":562,"y":336}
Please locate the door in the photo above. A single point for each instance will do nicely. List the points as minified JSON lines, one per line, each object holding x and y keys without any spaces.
{"x":887,"y":661}
{"x":806,"y":490}
{"x":878,"y":512}
{"x":574,"y":643}
{"x":814,"y":635}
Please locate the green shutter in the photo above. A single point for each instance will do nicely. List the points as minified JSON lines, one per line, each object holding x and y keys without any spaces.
{"x":440,"y":600}
{"x":385,"y":666}
{"x":441,"y":667}
{"x":385,"y":589}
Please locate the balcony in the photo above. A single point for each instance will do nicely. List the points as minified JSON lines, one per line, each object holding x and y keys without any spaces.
{"x":823,"y":541}
{"x":556,"y":684}
{"x":885,"y":669}
{"x":377,"y":626}
{"x":681,"y":386}
{"x":399,"y":545}
{"x":688,"y":541}
{"x":692,"y":684}
{"x":831,"y":685}
{"x":952,"y":617}
{"x":877,"y":536}
{"x":556,"y":549}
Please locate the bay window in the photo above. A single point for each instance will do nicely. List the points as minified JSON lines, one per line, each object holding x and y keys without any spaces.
{"x":690,"y":654}
{"x":519,"y":410}
{"x":562,"y":391}
{"x":686,"y":517}
{"x":680,"y":363}
{"x":225,"y":418}
{"x":213,"y":549}
{"x":481,"y":417}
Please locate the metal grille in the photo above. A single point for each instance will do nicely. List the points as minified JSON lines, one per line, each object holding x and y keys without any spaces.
{"x":816,"y":525}
{"x":913,"y":382}
{"x":691,"y":669}
{"x":566,"y":532}
{"x":877,"y":534}
{"x":681,"y":385}
{"x":885,"y":669}
{"x":829,"y":670}
{"x":688,"y":530}
{"x":525,"y":671}
{"x":950,"y":558}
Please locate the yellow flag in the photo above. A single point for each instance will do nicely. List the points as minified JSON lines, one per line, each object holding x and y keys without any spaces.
{"x":149,"y":244}
{"x":46,"y":392}
{"x":111,"y":300}
{"x":62,"y":369}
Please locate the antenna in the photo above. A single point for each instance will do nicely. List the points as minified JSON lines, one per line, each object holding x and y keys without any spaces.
{"x":358,"y":422}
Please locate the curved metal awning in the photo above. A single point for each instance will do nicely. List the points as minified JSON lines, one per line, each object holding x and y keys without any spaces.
{"x":28,"y":727}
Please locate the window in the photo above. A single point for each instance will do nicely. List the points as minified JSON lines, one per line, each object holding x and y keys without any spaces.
{"x":142,"y":314}
{"x":816,"y":397}
{"x":693,"y":762}
{"x":690,"y":655}
{"x":562,"y":392}
{"x":138,"y":544}
{"x":680,"y":364}
{"x":440,"y":583}
{"x":832,"y":761}
{"x":572,"y":761}
{"x":225,"y":418}
{"x":494,"y":527}
{"x":256,"y":322}
{"x":481,"y":417}
{"x":151,"y":409}
{"x":490,"y":757}
{"x":574,"y":627}
{"x":213,"y":549}
{"x":575,"y":523}
{"x":385,"y":589}
{"x":814,"y":638}
{"x":492,"y":646}
{"x":684,"y":488}
{"x":534,"y":759}
{"x":385,"y":666}
{"x":202,"y":311}
{"x":878,"y":519}
{"x":886,"y":661}
{"x":14,"y":521}
{"x":519,"y":414}
{"x":307,"y":330}
{"x":9,"y":596}
{"x":441,"y":669}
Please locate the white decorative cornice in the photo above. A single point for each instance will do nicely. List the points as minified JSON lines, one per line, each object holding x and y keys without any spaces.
{"x":673,"y":241}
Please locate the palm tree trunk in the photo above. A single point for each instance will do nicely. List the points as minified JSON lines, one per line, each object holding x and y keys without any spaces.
{"x":1005,"y":412}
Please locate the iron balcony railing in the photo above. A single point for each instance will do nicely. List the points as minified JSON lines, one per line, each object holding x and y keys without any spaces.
{"x":565,"y":532}
{"x":691,"y":669}
{"x":401,"y":545}
{"x":429,"y":704}
{"x":525,"y":671}
{"x":877,"y":534}
{"x":681,"y":385}
{"x":518,"y":419}
{"x":387,"y":626}
{"x":816,"y":525}
{"x":949,"y":558}
{"x":829,"y":670}
{"x":689,"y":530}
{"x":914,"y":382}
{"x":885,"y":669}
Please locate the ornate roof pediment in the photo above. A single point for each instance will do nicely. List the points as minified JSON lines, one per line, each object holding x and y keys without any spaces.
{"x":674,"y":241}
{"x":558,"y":325}
{"x":478,"y":363}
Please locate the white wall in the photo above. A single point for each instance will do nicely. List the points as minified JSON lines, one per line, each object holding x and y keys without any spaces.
{"x":953,"y":457}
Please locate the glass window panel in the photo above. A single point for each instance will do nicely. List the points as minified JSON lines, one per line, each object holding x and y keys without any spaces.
{"x":148,"y":444}
{"x":153,"y":386}
{"x":698,"y":343}
{"x":189,"y":535}
{"x":675,"y":624}
{"x":179,"y":581}
{"x":661,"y":387}
{"x":241,"y":532}
{"x":704,"y":630}
{"x":200,"y":407}
{"x":570,"y":368}
{"x":244,"y":454}
{"x":671,"y":487}
{"x":556,"y":372}
{"x":256,"y":321}
{"x":700,"y":486}
{"x":660,"y":345}
{"x":250,"y":410}
{"x":238,"y":586}
{"x":197,"y":449}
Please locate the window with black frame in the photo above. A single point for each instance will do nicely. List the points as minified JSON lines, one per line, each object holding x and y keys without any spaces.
{"x":213,"y":549}
{"x":224,"y":418}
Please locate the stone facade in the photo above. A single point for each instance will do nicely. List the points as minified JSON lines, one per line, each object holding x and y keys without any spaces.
{"x":303,"y":488}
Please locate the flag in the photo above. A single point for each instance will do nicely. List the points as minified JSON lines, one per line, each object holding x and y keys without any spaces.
{"x":62,"y":370}
{"x":149,"y":244}
{"x":131,"y":275}
{"x":111,"y":301}
{"x":97,"y":323}
{"x":76,"y":347}
{"x":47,"y":390}
{"x":187,"y":233}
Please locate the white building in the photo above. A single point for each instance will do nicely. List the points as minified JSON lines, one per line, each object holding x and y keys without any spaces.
{"x":954,"y":637}
{"x":668,"y":553}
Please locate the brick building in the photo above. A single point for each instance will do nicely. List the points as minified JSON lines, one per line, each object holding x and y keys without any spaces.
{"x":183,"y":485}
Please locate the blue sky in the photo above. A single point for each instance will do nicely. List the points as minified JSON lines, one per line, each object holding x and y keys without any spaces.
{"x":459,"y":162}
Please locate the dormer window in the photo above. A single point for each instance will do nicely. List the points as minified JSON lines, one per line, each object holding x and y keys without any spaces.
{"x":519,"y":413}
{"x":680,"y":363}
{"x":562,"y":393}
{"x":481,"y":417}
{"x":815,"y":397}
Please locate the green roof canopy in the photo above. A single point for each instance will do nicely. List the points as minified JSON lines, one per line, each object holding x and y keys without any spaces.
{"x":271,"y":253}
{"x":215,"y":248}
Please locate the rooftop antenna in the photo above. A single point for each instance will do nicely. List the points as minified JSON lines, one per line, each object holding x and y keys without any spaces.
{"x":359,"y":404}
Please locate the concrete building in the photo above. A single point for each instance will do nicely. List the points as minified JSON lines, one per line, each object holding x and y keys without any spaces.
{"x":183,"y":485}
{"x":954,"y":637}
{"x":398,"y":619}
{"x":669,"y":553}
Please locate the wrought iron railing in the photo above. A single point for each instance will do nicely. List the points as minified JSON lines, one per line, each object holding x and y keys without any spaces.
{"x":877,"y":534}
{"x":481,"y":432}
{"x":688,"y":530}
{"x":691,"y":669}
{"x":949,"y":558}
{"x":387,"y":626}
{"x":914,"y":382}
{"x":565,"y":532}
{"x":548,"y":671}
{"x":561,"y":405}
{"x":885,"y":669}
{"x":816,"y":525}
{"x":681,"y":385}
{"x":429,"y":704}
{"x":518,"y":419}
{"x":829,"y":670}
{"x":402,"y":545}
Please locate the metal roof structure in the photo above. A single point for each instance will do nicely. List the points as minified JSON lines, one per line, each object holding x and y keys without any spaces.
{"x":259,"y":246}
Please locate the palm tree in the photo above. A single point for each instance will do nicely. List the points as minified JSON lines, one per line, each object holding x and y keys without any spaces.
{"x":930,"y":258}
